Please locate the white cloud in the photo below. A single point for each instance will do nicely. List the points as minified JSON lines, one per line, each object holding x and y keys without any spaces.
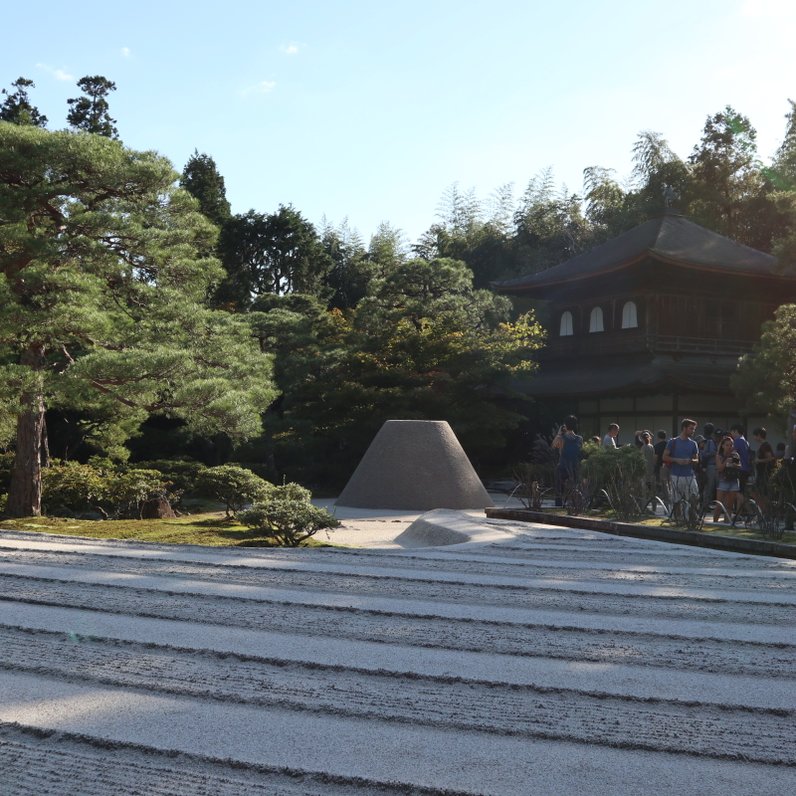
{"x":771,"y":10}
{"x":125,"y":51}
{"x":263,"y":87}
{"x":290,"y":49}
{"x":58,"y":74}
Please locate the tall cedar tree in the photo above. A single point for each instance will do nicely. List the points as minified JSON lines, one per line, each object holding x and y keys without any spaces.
{"x":90,"y":113}
{"x":202,"y":180}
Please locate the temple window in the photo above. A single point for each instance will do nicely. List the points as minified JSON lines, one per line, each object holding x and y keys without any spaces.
{"x":629,"y":315}
{"x":566,"y":328}
{"x":596,"y":320}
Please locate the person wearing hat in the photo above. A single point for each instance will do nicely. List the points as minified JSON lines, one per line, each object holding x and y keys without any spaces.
{"x":707,"y":459}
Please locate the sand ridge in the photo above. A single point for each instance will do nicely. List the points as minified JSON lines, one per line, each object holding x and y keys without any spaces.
{"x":525,"y":659}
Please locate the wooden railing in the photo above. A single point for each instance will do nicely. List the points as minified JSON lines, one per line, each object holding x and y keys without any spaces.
{"x":607,"y":343}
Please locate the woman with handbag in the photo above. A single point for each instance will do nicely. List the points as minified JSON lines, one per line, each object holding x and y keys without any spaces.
{"x":728,"y":472}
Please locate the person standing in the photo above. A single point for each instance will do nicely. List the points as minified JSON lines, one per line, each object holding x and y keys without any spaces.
{"x":661,"y":470}
{"x":728,"y":470}
{"x":648,"y":452}
{"x":569,"y":446}
{"x":708,"y":460}
{"x":609,"y":440}
{"x":681,"y":455}
{"x":764,"y":465}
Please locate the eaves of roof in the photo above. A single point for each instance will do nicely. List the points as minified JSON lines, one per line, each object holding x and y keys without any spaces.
{"x":670,"y":239}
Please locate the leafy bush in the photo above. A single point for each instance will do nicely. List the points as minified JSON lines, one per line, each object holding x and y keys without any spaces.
{"x":779,"y":512}
{"x":287,"y":515}
{"x":536,"y":476}
{"x":619,"y":472}
{"x":6,"y":463}
{"x":782,"y":484}
{"x":70,"y":488}
{"x":127,"y":491}
{"x":231,"y":485}
{"x":182,"y":474}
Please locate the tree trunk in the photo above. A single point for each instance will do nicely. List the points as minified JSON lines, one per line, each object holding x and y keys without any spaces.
{"x":45,"y":444}
{"x":24,"y":493}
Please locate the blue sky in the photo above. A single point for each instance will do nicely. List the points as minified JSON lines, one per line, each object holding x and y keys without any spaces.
{"x":371,"y":111}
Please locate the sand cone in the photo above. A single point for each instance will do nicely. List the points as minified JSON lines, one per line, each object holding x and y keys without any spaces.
{"x":416,"y":465}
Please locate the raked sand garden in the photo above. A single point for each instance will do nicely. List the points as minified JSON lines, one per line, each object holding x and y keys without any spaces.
{"x":525,"y":659}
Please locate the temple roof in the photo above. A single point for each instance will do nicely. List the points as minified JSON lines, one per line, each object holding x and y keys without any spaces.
{"x":670,"y":238}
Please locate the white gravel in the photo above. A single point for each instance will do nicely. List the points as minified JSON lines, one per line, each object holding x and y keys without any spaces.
{"x":529,"y":659}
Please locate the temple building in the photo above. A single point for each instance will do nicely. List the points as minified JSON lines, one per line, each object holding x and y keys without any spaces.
{"x":647,"y":328}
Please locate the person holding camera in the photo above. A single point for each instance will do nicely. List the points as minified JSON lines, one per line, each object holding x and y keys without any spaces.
{"x":570,"y":448}
{"x":728,"y":472}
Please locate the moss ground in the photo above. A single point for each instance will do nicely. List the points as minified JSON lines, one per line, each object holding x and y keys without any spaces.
{"x":206,"y":528}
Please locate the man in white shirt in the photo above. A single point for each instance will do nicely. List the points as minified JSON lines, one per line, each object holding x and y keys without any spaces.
{"x":609,"y":440}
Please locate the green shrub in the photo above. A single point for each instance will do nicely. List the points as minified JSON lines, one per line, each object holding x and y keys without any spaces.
{"x":180,"y":473}
{"x":231,"y":485}
{"x":619,"y":472}
{"x":70,"y":488}
{"x":127,"y":491}
{"x":286,"y":515}
{"x":6,"y":463}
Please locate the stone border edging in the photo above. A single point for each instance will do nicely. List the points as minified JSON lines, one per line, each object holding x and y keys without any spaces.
{"x":729,"y":543}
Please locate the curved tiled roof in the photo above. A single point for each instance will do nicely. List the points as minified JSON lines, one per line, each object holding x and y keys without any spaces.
{"x":671,"y":238}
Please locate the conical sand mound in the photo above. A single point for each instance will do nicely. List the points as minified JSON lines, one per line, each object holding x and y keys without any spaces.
{"x":415,"y":465}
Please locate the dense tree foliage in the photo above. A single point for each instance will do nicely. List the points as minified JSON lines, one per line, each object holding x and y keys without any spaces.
{"x":17,"y":108}
{"x":782,"y":176}
{"x":275,"y":253}
{"x":202,"y":180}
{"x":423,"y":343}
{"x":90,"y":112}
{"x":722,"y":185}
{"x":127,"y":299}
{"x":766,"y":378}
{"x":102,"y":286}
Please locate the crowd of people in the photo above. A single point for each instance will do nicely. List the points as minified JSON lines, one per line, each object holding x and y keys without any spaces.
{"x":717,"y":466}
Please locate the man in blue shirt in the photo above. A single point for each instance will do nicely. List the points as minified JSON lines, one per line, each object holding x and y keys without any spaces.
{"x":681,"y":454}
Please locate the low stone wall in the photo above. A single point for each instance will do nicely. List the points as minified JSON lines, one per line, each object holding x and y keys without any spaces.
{"x":732,"y":544}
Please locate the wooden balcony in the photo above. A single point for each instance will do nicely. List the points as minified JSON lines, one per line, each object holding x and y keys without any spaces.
{"x":629,"y":341}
